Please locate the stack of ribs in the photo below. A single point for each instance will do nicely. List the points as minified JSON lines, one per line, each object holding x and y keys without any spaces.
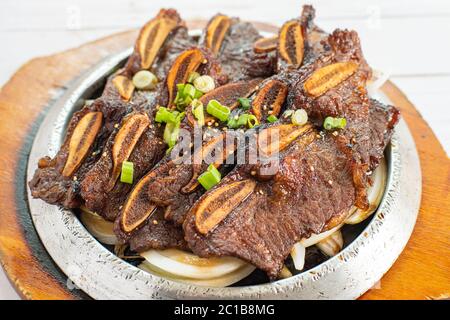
{"x":250,"y":214}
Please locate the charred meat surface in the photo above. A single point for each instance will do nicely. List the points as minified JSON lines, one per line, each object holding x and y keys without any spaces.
{"x":58,"y":182}
{"x":101,"y":190}
{"x":255,"y":210}
{"x":316,"y":179}
{"x":174,"y":186}
{"x":158,"y":233}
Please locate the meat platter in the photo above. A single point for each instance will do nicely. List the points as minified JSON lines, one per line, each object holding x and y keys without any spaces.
{"x":327,"y":222}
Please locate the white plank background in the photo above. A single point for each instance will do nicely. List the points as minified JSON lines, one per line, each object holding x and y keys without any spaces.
{"x":407,"y":39}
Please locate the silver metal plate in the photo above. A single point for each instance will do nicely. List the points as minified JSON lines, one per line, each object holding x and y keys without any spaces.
{"x":102,"y":275}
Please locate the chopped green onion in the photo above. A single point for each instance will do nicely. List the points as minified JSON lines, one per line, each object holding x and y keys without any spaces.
{"x":171,"y":132}
{"x":192,"y":76}
{"x":299,"y":117}
{"x":245,"y":103}
{"x":188,"y":90}
{"x":144,"y":80}
{"x":252,"y":121}
{"x":217,"y":110}
{"x":126,"y":175}
{"x":331,"y":123}
{"x":198,"y":94}
{"x":185,"y":94}
{"x":165,"y":115}
{"x":197,"y":111}
{"x":210,"y":177}
{"x":243,"y":120}
{"x":272,"y":118}
{"x":204,"y":83}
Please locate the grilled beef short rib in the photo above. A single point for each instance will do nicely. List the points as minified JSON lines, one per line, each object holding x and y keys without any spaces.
{"x":315,"y":180}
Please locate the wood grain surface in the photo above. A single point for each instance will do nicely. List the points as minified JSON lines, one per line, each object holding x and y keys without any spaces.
{"x":421,"y":272}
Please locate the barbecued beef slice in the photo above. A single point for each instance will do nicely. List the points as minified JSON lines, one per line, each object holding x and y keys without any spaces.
{"x":95,"y":188}
{"x":383,"y":119}
{"x":150,"y":147}
{"x":238,"y":58}
{"x":312,"y":185}
{"x":157,"y":233}
{"x":347,"y":98}
{"x":48,"y":182}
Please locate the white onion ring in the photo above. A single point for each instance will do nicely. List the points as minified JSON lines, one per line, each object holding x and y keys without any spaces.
{"x":101,"y":229}
{"x":187,"y":265}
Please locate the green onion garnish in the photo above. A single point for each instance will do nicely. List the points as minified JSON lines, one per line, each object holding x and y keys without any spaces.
{"x":331,"y":123}
{"x":172,"y":128}
{"x":272,"y":118}
{"x":245,"y":103}
{"x":299,"y":117}
{"x":210,"y":177}
{"x":126,"y":175}
{"x":204,"y":84}
{"x":165,"y":115}
{"x":171,"y":132}
{"x":197,"y":94}
{"x":243,"y":120}
{"x":252,"y":121}
{"x":188,"y":91}
{"x":217,"y":110}
{"x":192,"y":76}
{"x":185,"y":94}
{"x":197,"y":111}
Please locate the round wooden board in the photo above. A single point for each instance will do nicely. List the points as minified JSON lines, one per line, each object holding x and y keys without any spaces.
{"x":422,"y":271}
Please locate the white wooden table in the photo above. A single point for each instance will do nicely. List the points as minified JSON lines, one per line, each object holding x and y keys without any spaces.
{"x":409,"y":39}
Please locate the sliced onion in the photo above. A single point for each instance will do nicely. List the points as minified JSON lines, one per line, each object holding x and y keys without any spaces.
{"x":315,"y":238}
{"x":332,"y":245}
{"x":374,"y":195}
{"x":223,"y":281}
{"x":188,"y":265}
{"x":101,"y":229}
{"x":298,"y":256}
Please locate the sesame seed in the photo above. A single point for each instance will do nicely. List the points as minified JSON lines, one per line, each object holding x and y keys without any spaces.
{"x":205,"y":61}
{"x":335,"y":133}
{"x":155,"y":222}
{"x":330,"y":182}
{"x":116,"y":125}
{"x":253,"y":172}
{"x":75,"y":178}
{"x":104,"y":154}
{"x":312,"y":168}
